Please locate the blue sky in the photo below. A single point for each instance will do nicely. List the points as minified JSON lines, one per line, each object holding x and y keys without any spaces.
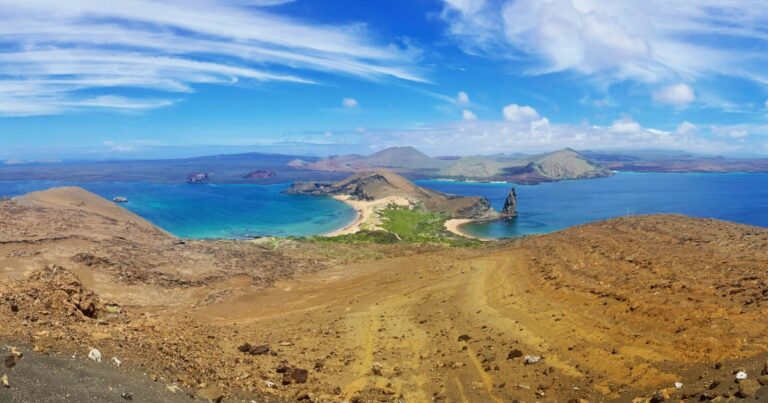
{"x":136,"y":79}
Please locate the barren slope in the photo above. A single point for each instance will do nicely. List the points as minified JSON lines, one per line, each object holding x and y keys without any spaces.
{"x":614,"y":310}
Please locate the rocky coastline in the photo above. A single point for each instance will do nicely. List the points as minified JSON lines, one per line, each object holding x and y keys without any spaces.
{"x":369,"y":192}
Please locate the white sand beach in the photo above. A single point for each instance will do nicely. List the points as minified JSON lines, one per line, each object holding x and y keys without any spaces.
{"x":366,"y":213}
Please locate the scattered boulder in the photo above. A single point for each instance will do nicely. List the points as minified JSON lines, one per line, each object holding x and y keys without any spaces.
{"x":259,"y":350}
{"x":95,"y":355}
{"x":4,"y":381}
{"x":376,"y":369}
{"x":254,"y":350}
{"x":531,"y":359}
{"x":295,"y":375}
{"x":61,"y":291}
{"x":514,"y":354}
{"x":127,"y":395}
{"x":198,"y":177}
{"x":212,"y":393}
{"x":10,"y":361}
{"x":282,"y":369}
{"x":464,"y":337}
{"x":741,"y":375}
{"x":748,"y":388}
{"x":660,"y":396}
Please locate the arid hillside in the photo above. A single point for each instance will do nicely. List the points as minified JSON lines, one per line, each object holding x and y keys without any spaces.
{"x":651,"y":308}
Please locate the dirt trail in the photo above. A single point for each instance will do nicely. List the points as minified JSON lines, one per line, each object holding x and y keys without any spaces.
{"x":403,"y":333}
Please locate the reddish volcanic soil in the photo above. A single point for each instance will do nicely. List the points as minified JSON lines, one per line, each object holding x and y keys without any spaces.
{"x":616,"y":310}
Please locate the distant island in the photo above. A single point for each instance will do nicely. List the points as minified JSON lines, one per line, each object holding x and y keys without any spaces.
{"x":370,"y":192}
{"x":559,"y":165}
{"x":564,"y":164}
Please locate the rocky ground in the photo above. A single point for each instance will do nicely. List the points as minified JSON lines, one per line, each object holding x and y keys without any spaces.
{"x":649,"y":308}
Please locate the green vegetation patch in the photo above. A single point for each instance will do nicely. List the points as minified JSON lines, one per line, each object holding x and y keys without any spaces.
{"x":402,"y":224}
{"x":414,"y":225}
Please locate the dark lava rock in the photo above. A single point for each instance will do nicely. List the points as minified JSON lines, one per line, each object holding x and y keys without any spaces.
{"x":295,"y":375}
{"x":282,"y":369}
{"x":253,"y":350}
{"x":259,"y":350}
{"x":510,"y":205}
{"x":260,"y":174}
{"x":464,"y":337}
{"x":198,"y":177}
{"x":10,"y":361}
{"x":514,"y":354}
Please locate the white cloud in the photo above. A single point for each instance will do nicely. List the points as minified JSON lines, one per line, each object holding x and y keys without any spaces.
{"x":646,"y":40}
{"x":490,"y":137}
{"x":734,"y":132}
{"x":117,"y":102}
{"x":56,"y":50}
{"x":462,"y":98}
{"x":520,"y":114}
{"x":766,"y":104}
{"x":686,"y":128}
{"x":349,"y":103}
{"x":677,"y":94}
{"x":626,"y":126}
{"x":466,"y":114}
{"x":264,"y":3}
{"x":466,"y":6}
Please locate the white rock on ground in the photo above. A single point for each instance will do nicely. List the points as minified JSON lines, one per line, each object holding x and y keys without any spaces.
{"x":95,"y":355}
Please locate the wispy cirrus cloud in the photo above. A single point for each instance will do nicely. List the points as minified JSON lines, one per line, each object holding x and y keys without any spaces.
{"x":54,"y":52}
{"x":655,"y":42}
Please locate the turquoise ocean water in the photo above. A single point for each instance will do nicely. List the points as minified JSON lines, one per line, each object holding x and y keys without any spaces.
{"x":216,"y":211}
{"x":547,"y":207}
{"x":241,"y":211}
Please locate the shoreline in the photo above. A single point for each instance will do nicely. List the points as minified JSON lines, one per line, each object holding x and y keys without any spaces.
{"x":453,"y":225}
{"x":365,"y":213}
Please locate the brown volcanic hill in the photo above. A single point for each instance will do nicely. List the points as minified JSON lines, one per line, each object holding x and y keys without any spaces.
{"x":568,"y":164}
{"x":80,"y":200}
{"x":403,"y":158}
{"x":379,"y":184}
{"x":559,"y":165}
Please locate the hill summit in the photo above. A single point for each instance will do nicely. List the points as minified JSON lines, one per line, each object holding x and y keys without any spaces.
{"x":379,"y":184}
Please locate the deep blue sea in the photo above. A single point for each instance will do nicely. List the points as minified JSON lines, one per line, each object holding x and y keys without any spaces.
{"x":241,"y":211}
{"x":216,"y":211}
{"x":547,"y":207}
